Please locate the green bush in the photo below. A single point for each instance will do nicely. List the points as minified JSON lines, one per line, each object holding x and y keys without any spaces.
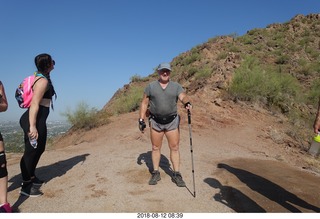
{"x":222,"y":55}
{"x":190,"y":59}
{"x":253,"y":82}
{"x":313,"y":94}
{"x":192,"y":71}
{"x":136,"y":78}
{"x":83,"y":117}
{"x":129,"y":101}
{"x":204,"y":72}
{"x":282,"y":59}
{"x":246,"y":40}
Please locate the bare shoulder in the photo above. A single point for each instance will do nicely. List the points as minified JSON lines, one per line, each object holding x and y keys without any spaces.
{"x":40,"y":82}
{"x":41,"y":79}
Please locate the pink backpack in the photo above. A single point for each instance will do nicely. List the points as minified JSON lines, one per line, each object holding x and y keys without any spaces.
{"x":24,"y":92}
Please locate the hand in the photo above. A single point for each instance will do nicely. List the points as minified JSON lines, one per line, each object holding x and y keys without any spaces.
{"x":142,"y":125}
{"x":188,"y":106}
{"x":33,"y":132}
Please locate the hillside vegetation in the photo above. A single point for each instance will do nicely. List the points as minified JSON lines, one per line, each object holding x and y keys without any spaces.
{"x":276,"y":68}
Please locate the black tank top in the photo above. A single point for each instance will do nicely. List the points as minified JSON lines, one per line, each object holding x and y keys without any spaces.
{"x":50,"y":92}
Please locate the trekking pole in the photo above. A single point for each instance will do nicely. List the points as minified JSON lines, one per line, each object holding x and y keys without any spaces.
{"x":191,"y":150}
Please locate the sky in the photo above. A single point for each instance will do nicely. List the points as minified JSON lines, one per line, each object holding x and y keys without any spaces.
{"x":98,"y":45}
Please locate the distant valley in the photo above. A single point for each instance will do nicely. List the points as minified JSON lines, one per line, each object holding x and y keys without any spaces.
{"x":13,"y":134}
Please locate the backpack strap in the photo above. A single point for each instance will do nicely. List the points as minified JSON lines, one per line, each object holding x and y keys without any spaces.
{"x":39,"y":75}
{"x":36,"y":74}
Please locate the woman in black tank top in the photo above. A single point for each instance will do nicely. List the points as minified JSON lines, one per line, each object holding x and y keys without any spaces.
{"x":33,"y":123}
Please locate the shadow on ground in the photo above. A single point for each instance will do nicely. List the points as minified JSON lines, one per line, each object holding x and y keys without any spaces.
{"x":164,"y":165}
{"x":45,"y":173}
{"x":232,"y":197}
{"x":164,"y":162}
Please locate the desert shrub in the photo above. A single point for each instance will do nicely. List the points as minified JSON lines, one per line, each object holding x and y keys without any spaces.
{"x":246,"y":39}
{"x":304,"y":70}
{"x":214,"y":39}
{"x":312,"y":52}
{"x":83,"y":117}
{"x":138,"y":78}
{"x":308,"y":68}
{"x":271,"y":43}
{"x":282,"y":59}
{"x":303,"y":42}
{"x":233,"y":35}
{"x":253,"y":82}
{"x":292,"y":47}
{"x":191,"y":58}
{"x":254,"y":32}
{"x":204,"y":72}
{"x":313,"y":94}
{"x":258,"y":47}
{"x":234,"y":48}
{"x":135,"y":78}
{"x":222,"y":55}
{"x":192,"y":71}
{"x":128,"y":101}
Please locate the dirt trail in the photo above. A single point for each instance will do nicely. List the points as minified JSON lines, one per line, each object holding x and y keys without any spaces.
{"x":237,"y":168}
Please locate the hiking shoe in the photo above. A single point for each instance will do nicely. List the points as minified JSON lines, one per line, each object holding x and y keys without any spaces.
{"x":36,"y":181}
{"x":177,"y":179}
{"x":30,"y":190}
{"x":6,"y":208}
{"x":154,"y":178}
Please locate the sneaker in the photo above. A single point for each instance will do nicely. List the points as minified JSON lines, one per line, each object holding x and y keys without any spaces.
{"x":177,"y":179}
{"x":30,"y":190}
{"x":36,"y":181}
{"x":6,"y":208}
{"x":154,"y":178}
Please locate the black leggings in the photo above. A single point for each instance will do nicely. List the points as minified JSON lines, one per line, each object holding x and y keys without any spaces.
{"x":3,"y":162}
{"x":31,"y":156}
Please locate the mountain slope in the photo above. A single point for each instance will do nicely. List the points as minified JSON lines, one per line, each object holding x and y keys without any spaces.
{"x":290,"y":51}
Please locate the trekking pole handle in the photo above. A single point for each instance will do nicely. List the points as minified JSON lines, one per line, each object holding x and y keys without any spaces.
{"x":189,"y":117}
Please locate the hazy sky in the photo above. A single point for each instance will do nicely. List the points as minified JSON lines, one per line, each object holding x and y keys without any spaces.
{"x":98,"y":45}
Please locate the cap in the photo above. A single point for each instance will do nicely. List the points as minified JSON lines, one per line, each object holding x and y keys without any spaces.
{"x":164,"y":66}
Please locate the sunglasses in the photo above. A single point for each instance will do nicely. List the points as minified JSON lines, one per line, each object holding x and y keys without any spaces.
{"x":165,"y":71}
{"x":53,"y":62}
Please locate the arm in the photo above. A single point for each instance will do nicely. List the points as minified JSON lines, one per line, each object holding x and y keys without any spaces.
{"x":38,"y":91}
{"x":143,"y":107}
{"x":3,"y":99}
{"x":316,"y":124}
{"x":142,"y":113}
{"x":185,"y":100}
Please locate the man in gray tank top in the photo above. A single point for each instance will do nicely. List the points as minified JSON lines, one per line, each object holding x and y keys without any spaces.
{"x":160,"y":99}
